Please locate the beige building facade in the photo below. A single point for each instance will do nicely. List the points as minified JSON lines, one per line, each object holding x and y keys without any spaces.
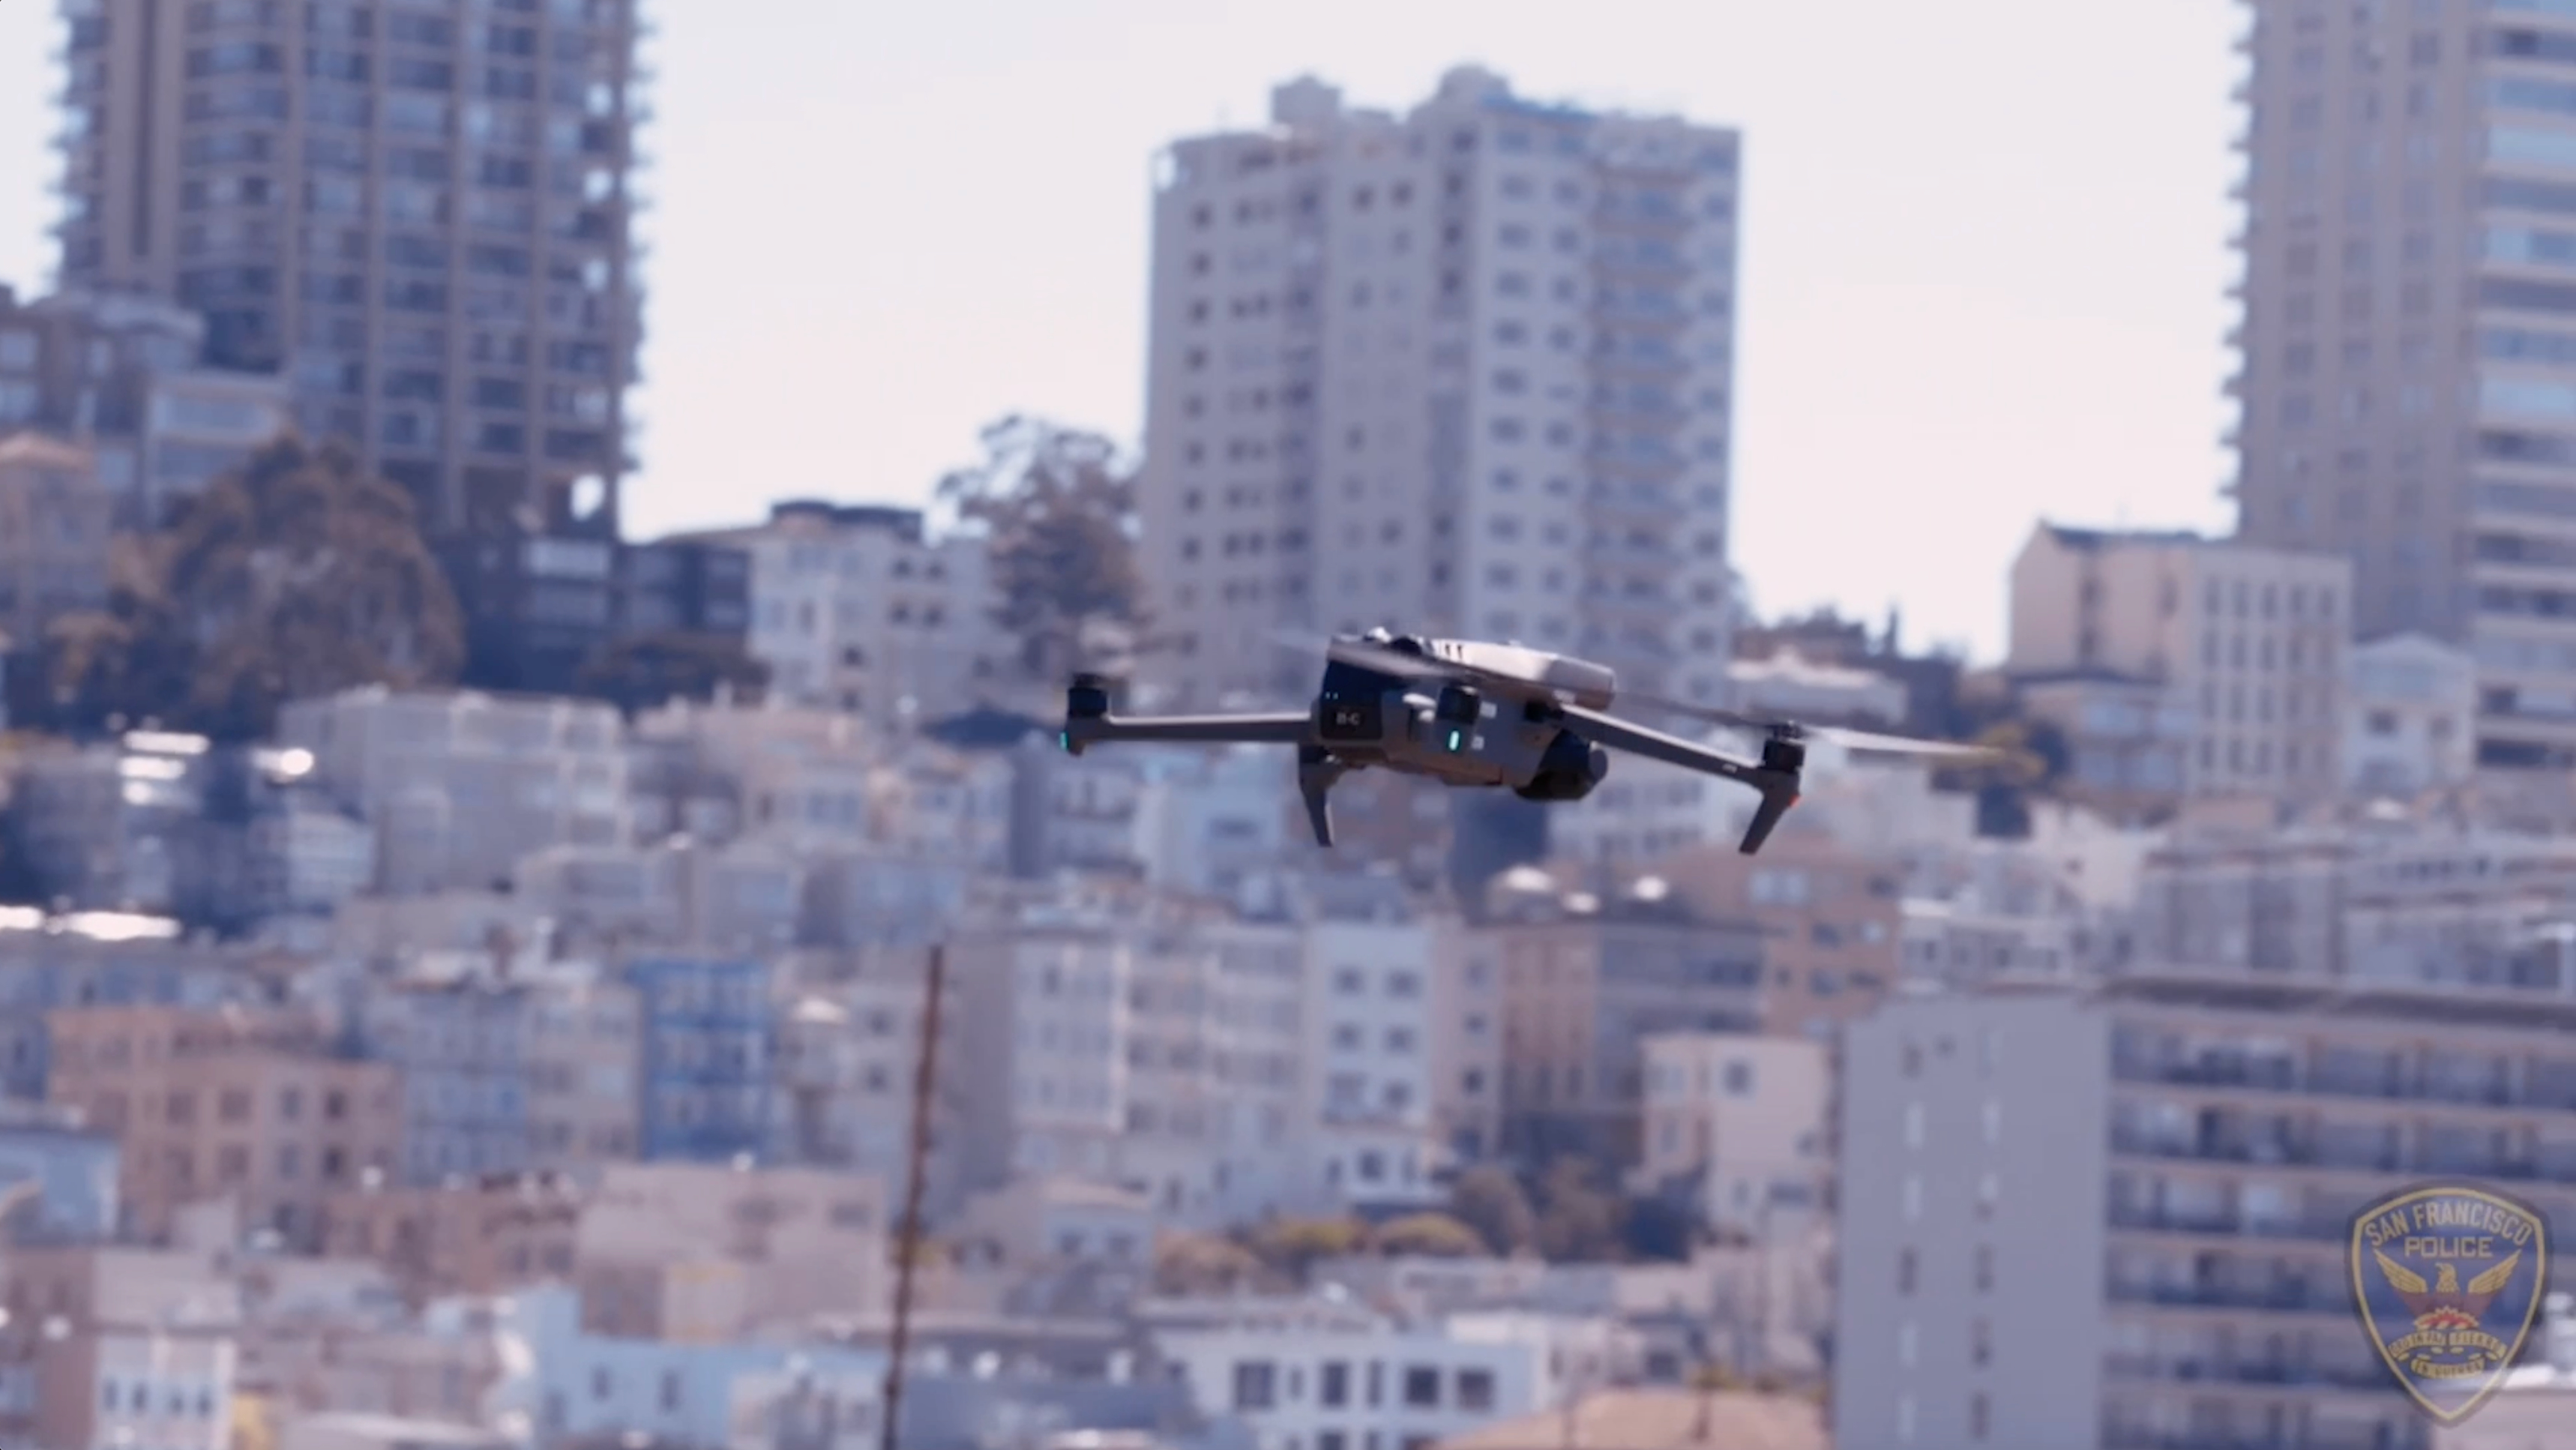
{"x":226,"y":1103}
{"x":2251,"y":641}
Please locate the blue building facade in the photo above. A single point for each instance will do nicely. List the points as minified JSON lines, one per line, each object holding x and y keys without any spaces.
{"x":707,"y":1030}
{"x":462,"y":1049}
{"x":74,"y":1172}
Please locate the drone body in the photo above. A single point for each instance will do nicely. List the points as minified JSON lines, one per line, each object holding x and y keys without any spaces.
{"x":1462,"y":712}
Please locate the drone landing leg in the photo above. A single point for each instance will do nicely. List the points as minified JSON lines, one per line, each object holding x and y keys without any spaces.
{"x":1316,"y":773}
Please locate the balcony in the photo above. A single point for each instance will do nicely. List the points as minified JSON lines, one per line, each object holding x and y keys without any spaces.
{"x":2249,"y":1372}
{"x":2329,"y":1297}
{"x":2229,"y":1223}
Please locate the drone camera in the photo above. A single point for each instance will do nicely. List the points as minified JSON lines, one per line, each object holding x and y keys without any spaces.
{"x":1786,"y":755}
{"x":1459,"y":705}
{"x":1086,"y":701}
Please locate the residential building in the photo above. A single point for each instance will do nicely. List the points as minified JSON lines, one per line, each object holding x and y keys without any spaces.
{"x":460,"y":786}
{"x":540,"y":607}
{"x":859,"y":608}
{"x":508,"y":1067}
{"x":2398,"y":902}
{"x":746,"y":896}
{"x":1131,"y":1039}
{"x":2119,"y":1216}
{"x":70,"y":1170}
{"x":1370,"y":1064}
{"x":2405,"y":399}
{"x":444,"y":276}
{"x":704,"y":1061}
{"x":115,"y":826}
{"x":118,"y":1346}
{"x":232,"y":1104}
{"x":2250,"y":640}
{"x":2129,"y":740}
{"x":582,"y":1386}
{"x":1467,"y":371}
{"x":1585,"y":978}
{"x":120,"y":375}
{"x":477,"y":1236}
{"x":1786,"y":685}
{"x":1740,"y":1125}
{"x":102,"y":958}
{"x":1659,"y":1419}
{"x":716,"y":1252}
{"x":2410,"y":716}
{"x":849,"y":1059}
{"x":385,"y":1432}
{"x":54,"y":518}
{"x":1831,"y":920}
{"x":2001,"y":909}
{"x":1327,"y":1371}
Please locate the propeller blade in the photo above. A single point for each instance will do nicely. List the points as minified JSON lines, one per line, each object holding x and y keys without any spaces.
{"x":1868,"y":743}
{"x":1864,"y":742}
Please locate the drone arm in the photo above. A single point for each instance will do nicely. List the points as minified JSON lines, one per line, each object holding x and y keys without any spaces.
{"x":1778,"y":788}
{"x":1082,"y":730}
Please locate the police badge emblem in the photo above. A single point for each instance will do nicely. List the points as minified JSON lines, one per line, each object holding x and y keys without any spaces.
{"x":2447,"y":1279}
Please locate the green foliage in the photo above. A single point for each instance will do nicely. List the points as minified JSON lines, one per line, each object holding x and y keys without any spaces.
{"x":1490,"y":1201}
{"x":1060,"y":508}
{"x":1428,"y":1235}
{"x":299,"y":575}
{"x":643,"y":671}
{"x":1290,"y":1247}
{"x":1187,"y":1264}
{"x":1578,"y":1222}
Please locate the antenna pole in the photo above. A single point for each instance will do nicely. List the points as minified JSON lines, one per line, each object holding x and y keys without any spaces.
{"x":908,"y":1238}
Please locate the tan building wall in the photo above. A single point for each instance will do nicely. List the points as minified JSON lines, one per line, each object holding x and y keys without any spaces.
{"x":709,"y":1252}
{"x":1831,"y":922}
{"x":226,"y":1103}
{"x":2252,"y":640}
{"x":472,"y":1239}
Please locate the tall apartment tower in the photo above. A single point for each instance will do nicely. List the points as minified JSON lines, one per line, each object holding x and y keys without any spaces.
{"x":417,"y":212}
{"x":2409,"y":329}
{"x":1465,"y":371}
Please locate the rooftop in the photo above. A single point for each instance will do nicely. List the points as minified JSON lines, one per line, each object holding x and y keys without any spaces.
{"x":1659,"y":1419}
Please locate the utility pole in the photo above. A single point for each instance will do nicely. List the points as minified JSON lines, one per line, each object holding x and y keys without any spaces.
{"x":908,"y":1238}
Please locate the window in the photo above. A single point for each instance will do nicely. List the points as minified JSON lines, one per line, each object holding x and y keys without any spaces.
{"x":1255,"y":1384}
{"x":1333,"y":1387}
{"x":1422,"y":1387}
{"x":1475,"y":1389}
{"x":1978,"y":1416}
{"x":1905,"y":1271}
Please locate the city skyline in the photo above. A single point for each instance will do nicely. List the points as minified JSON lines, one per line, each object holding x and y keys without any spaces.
{"x":2048,"y":214}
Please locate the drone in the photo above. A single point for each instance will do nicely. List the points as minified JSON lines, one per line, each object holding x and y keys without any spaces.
{"x":1472,"y":713}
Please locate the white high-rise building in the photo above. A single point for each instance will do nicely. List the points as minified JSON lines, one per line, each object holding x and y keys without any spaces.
{"x":1466,"y":370}
{"x":2119,"y":1217}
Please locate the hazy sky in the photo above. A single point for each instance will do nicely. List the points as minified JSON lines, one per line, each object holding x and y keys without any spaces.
{"x":1983,"y":252}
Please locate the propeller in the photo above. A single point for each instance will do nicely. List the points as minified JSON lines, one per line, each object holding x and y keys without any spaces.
{"x":1859,"y":742}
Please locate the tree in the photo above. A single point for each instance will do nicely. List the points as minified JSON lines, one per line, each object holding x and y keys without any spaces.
{"x":1059,"y":510}
{"x":1293,"y":1246}
{"x":1428,"y":1235}
{"x":1187,"y":1264}
{"x":643,"y":671}
{"x":1577,"y":1222}
{"x":1491,"y":1202}
{"x":298,"y":575}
